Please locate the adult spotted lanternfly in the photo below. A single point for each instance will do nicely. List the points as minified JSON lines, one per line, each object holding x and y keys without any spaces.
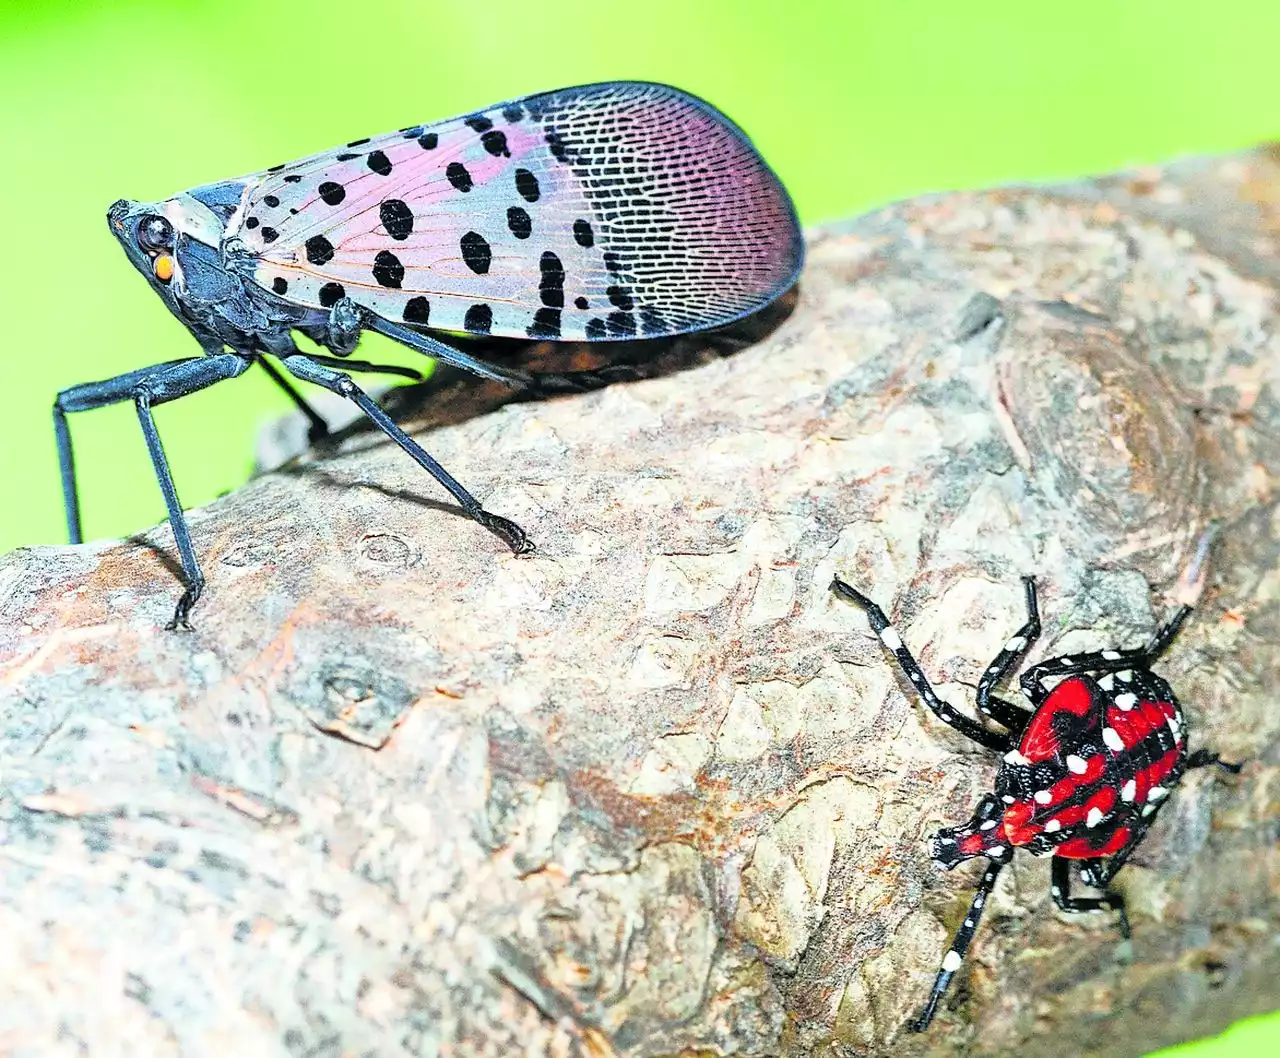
{"x":601,"y":213}
{"x":1083,"y":774}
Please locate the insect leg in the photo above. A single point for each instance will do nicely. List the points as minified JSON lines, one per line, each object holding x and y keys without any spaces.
{"x":319,"y":429}
{"x":147,"y":388}
{"x":1105,"y":660}
{"x":446,"y":354}
{"x":1202,"y":758}
{"x":890,"y":638}
{"x":959,"y":945}
{"x":1095,"y":875}
{"x":305,"y":368}
{"x":1011,"y":716}
{"x":540,"y":383}
{"x":84,"y":397}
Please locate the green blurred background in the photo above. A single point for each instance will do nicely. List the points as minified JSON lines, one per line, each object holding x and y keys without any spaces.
{"x":854,"y":103}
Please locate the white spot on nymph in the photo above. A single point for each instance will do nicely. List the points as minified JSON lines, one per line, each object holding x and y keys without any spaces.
{"x":1106,"y":683}
{"x":996,"y":851}
{"x":1064,"y":660}
{"x":989,"y":824}
{"x":942,"y":839}
{"x":1113,"y":740}
{"x":1076,"y":764}
{"x":1043,"y":797}
{"x":1052,"y":827}
{"x":890,"y":638}
{"x":1093,"y":818}
{"x":1007,"y":799}
{"x":1014,"y":757}
{"x":1015,"y":644}
{"x":1173,"y":725}
{"x":1126,"y":701}
{"x":1129,"y":789}
{"x":1111,"y":655}
{"x":978,"y":901}
{"x":951,"y":961}
{"x":1055,"y":890}
{"x":1156,"y":793}
{"x":1124,"y":676}
{"x":1147,"y":810}
{"x":968,"y":923}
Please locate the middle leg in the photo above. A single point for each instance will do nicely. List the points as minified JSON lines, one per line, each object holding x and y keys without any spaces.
{"x":308,"y":370}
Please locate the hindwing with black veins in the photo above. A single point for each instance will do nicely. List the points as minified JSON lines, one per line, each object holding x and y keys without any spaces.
{"x":604,"y":212}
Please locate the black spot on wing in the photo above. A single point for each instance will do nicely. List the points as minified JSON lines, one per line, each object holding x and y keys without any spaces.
{"x":280,"y":285}
{"x":387,"y":269}
{"x":546,"y":324}
{"x":397,"y":218}
{"x":480,"y":123}
{"x":551,"y":280}
{"x":458,"y":176}
{"x":379,"y":163}
{"x":582,"y":233}
{"x":428,"y":140}
{"x":479,"y":319}
{"x":331,"y":294}
{"x":527,"y":185}
{"x":519,"y":223}
{"x":495,"y":143}
{"x":319,"y":251}
{"x":417,"y":310}
{"x":332,"y":194}
{"x":476,"y":252}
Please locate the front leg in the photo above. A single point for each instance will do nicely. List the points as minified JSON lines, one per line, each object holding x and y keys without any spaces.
{"x":146,"y":388}
{"x":890,"y":638}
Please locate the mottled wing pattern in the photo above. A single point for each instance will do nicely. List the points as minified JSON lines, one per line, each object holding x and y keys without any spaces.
{"x":609,"y":211}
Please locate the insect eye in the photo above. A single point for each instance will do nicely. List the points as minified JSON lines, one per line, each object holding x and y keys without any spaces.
{"x":155,"y":233}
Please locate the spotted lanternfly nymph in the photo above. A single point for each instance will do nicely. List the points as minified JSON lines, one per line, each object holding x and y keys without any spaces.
{"x":601,"y":213}
{"x":1084,"y":773}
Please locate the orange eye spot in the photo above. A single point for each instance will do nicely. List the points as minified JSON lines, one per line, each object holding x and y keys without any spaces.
{"x":163,"y":267}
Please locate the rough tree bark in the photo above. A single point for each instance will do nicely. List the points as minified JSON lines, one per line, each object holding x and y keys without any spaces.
{"x":651,"y":790}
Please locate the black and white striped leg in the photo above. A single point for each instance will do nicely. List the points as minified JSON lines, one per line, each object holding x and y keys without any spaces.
{"x":890,"y":638}
{"x":1096,"y":874}
{"x":959,"y":945}
{"x":1011,"y":716}
{"x":1103,"y":660}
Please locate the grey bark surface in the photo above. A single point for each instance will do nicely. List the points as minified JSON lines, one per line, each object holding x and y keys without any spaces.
{"x":652,"y":790}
